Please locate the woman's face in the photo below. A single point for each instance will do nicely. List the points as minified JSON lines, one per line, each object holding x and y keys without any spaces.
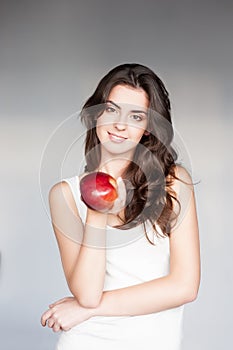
{"x":124,"y":120}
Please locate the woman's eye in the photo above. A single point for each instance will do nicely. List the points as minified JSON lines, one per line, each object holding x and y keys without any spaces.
{"x":110,"y":109}
{"x":136,"y":117}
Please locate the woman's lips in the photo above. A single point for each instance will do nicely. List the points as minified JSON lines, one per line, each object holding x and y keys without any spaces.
{"x":116,"y":138}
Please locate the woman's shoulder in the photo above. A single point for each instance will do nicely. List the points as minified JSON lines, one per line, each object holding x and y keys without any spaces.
{"x":62,"y":193}
{"x":60,"y":190}
{"x":62,"y":185}
{"x":183,"y":173}
{"x":179,"y":175}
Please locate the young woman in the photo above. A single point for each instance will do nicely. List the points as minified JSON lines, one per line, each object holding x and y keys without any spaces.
{"x":130,"y":269}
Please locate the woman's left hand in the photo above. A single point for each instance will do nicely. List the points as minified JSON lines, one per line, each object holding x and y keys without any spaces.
{"x":65,"y":314}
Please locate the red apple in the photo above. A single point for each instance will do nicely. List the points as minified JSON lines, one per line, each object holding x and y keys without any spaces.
{"x":98,"y":191}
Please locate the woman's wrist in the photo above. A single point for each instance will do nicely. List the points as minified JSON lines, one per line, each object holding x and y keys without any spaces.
{"x":95,"y":229}
{"x":97,"y":219}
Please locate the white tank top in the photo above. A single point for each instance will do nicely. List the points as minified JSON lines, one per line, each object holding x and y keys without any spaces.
{"x":130,"y":260}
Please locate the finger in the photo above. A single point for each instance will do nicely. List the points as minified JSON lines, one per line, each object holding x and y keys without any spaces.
{"x":56,"y":327}
{"x":65,"y":328}
{"x":59,"y":301}
{"x":121,"y":189}
{"x":56,"y":302}
{"x":46,"y":315}
{"x":119,"y":202}
{"x":51,"y":322}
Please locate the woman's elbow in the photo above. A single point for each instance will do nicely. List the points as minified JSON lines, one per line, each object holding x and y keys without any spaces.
{"x":190,"y":297}
{"x":89,"y":302}
{"x":190,"y":294}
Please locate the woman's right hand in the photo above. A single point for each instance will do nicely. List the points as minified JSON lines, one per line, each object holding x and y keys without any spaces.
{"x":120,"y":201}
{"x":65,"y":314}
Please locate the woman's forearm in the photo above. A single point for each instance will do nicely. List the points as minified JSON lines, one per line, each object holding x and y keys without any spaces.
{"x":87,"y":279}
{"x":145,"y":298}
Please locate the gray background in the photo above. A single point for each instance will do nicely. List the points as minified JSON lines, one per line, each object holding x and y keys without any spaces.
{"x":52,"y":54}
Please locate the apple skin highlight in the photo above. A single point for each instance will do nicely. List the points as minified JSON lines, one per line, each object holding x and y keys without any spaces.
{"x":98,"y":191}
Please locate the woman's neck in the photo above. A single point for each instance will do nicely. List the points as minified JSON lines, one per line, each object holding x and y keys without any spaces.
{"x":113,"y":167}
{"x":114,"y":164}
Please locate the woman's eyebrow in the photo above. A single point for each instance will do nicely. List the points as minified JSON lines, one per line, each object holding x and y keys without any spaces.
{"x":113,"y":103}
{"x":134,"y":111}
{"x":139,"y":111}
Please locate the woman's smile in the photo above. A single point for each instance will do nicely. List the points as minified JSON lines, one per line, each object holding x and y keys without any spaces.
{"x":116,"y":138}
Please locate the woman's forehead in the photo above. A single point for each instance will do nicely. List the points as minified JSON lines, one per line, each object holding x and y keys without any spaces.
{"x":124,"y":94}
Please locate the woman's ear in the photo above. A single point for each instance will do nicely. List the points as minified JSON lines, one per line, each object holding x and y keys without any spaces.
{"x":146,"y":133}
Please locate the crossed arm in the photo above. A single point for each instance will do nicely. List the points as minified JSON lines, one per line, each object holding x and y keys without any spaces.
{"x":180,"y":286}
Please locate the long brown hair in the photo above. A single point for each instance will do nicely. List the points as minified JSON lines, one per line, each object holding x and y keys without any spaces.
{"x":152,"y":170}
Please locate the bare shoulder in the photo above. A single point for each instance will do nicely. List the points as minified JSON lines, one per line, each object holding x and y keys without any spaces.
{"x":58,"y":188}
{"x":184,"y":179}
{"x":183,"y":173}
{"x":61,"y":194}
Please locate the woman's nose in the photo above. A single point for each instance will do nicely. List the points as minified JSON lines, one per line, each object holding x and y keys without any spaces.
{"x":120,"y":123}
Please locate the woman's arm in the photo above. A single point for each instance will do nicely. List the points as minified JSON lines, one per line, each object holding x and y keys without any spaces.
{"x":87,"y":279}
{"x":82,"y":258}
{"x":180,"y":286}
